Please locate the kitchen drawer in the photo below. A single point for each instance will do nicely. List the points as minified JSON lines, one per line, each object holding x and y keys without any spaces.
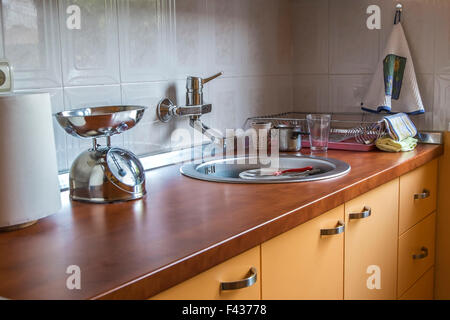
{"x":302,"y":264}
{"x":417,"y":195}
{"x":207,"y":285}
{"x":415,"y":253}
{"x":371,"y":237}
{"x":422,"y":289}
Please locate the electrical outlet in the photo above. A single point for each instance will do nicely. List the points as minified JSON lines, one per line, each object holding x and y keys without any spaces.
{"x":6,"y":79}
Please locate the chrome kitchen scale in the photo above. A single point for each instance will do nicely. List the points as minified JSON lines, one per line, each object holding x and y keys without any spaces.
{"x":104,"y":174}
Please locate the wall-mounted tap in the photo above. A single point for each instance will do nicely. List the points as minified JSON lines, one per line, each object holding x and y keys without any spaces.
{"x":194,"y":89}
{"x":194,"y":107}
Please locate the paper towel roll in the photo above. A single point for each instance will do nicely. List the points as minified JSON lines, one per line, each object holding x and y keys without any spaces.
{"x":28,"y":166}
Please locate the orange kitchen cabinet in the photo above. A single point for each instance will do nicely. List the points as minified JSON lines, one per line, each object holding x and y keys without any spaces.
{"x":302,"y":263}
{"x":416,"y":252}
{"x":418,"y":190}
{"x":370,"y":268}
{"x":422,"y":289}
{"x":207,"y":285}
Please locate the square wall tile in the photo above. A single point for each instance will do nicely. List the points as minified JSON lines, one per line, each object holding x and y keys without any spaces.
{"x":225,"y":23}
{"x":143,"y":34}
{"x":92,"y":96}
{"x":250,"y":38}
{"x":285,"y":94}
{"x":442,"y":36}
{"x":262,"y":96}
{"x":441,"y":108}
{"x":225,"y":98}
{"x":31,"y":42}
{"x":255,"y":98}
{"x":260,"y":33}
{"x":310,"y":36}
{"x":426,"y":87}
{"x":419,"y":26}
{"x":146,"y":94}
{"x":145,"y":138}
{"x":236,"y":99}
{"x":347,"y":92}
{"x":284,"y":37}
{"x":90,"y":55}
{"x":354,"y":49}
{"x":190,"y":39}
{"x":311,"y":93}
{"x":418,"y":21}
{"x":2,"y":51}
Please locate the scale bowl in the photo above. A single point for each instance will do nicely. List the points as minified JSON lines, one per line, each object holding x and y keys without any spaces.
{"x":102,"y":121}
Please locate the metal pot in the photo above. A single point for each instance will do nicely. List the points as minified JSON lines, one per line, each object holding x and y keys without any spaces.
{"x":290,"y":137}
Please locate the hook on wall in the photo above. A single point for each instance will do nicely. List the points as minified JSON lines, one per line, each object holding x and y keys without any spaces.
{"x":398,"y":13}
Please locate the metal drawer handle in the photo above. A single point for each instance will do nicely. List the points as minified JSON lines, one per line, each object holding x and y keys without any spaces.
{"x":339,"y":229}
{"x":422,"y":255}
{"x":425,"y":194}
{"x":244,"y":283}
{"x":367,"y":211}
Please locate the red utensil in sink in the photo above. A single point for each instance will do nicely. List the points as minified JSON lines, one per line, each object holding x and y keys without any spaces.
{"x":280,"y":172}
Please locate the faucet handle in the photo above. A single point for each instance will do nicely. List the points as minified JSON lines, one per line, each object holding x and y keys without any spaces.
{"x":196,"y":83}
{"x":212,"y":77}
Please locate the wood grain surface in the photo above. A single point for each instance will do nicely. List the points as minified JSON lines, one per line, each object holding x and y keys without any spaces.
{"x":183,"y":226}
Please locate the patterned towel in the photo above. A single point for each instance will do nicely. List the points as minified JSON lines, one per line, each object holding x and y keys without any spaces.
{"x":400,"y":126}
{"x":394,"y":85}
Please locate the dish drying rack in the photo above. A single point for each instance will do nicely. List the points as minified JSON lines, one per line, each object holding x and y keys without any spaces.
{"x":360,"y":128}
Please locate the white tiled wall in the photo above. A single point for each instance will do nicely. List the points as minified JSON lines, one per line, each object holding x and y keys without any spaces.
{"x":139,"y":51}
{"x":277,"y":55}
{"x":335,"y":53}
{"x":90,"y":56}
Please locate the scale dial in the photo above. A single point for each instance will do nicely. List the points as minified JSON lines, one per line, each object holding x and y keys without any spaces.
{"x":2,"y":77}
{"x":125,"y":168}
{"x":5,"y":76}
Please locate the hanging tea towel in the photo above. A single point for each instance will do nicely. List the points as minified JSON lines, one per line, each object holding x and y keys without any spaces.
{"x":394,"y":86}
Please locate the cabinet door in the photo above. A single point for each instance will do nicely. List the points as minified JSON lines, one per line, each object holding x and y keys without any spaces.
{"x":418,"y":191}
{"x":416,"y":252}
{"x":422,"y":289}
{"x":208,"y":285}
{"x":302,"y":263}
{"x":371,"y":244}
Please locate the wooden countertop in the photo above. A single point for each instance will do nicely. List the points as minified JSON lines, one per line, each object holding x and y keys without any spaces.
{"x":183,"y":226}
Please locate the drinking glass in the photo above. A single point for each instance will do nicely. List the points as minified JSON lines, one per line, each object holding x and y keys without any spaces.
{"x":319,"y":131}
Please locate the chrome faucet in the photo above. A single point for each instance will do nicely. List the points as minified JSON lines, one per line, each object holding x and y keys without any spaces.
{"x":194,"y":107}
{"x":194,"y":89}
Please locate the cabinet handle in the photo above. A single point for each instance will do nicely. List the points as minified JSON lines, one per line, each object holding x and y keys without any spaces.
{"x":367,"y":211}
{"x":425,"y":194}
{"x":244,"y":283}
{"x":339,"y":229}
{"x":422,"y":255}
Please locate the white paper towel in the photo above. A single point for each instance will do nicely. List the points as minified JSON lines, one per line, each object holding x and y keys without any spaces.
{"x":28,"y":166}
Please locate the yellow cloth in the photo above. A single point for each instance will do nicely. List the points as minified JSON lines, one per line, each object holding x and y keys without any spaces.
{"x":386,"y":143}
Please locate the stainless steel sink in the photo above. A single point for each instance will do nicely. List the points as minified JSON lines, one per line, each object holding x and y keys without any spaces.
{"x":228,"y":170}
